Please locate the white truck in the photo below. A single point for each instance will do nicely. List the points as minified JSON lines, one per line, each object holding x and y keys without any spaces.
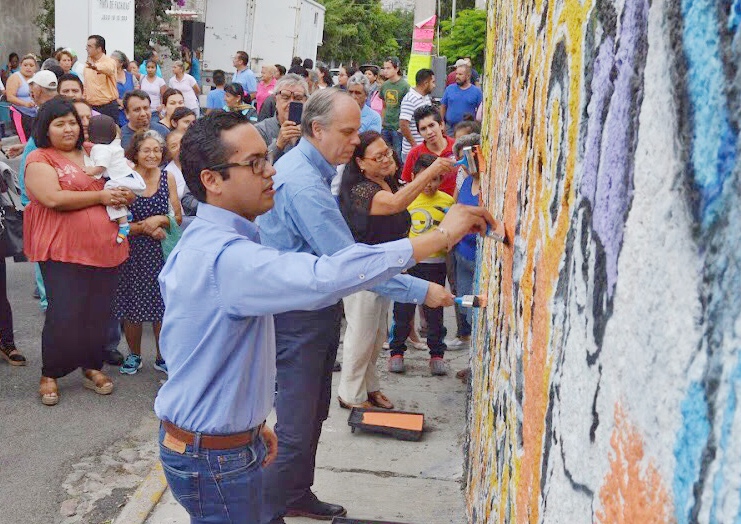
{"x":270,"y":31}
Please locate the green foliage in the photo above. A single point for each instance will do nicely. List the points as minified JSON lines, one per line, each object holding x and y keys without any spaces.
{"x":466,"y":38}
{"x":360,"y":30}
{"x":446,"y":8}
{"x":149,"y":19}
{"x":44,"y":21}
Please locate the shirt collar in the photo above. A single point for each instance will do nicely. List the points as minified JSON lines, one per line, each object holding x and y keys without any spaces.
{"x":326,"y":170}
{"x":225,"y":218}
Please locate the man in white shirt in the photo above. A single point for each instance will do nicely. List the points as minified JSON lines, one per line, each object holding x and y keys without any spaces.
{"x":417,"y":96}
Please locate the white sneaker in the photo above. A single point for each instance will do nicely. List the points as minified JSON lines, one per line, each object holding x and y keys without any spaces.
{"x":418,"y":345}
{"x":458,"y":344}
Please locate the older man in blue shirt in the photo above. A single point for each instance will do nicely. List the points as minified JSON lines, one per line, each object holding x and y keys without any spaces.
{"x":306,"y":219}
{"x":221,"y":288}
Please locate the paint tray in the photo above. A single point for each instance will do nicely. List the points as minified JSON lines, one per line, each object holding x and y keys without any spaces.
{"x":403,"y":425}
{"x":345,"y":520}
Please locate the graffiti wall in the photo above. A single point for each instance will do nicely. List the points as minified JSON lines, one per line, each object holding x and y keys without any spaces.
{"x":606,"y":372}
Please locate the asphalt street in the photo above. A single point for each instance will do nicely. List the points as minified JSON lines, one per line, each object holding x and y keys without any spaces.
{"x":39,"y":444}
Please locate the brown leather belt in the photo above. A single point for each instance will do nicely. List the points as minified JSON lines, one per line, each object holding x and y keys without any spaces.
{"x":234,"y":440}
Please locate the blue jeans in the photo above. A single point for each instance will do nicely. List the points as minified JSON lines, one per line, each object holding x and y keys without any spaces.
{"x":216,"y":486}
{"x":393,"y":139}
{"x":464,"y":271}
{"x":43,"y":303}
{"x":306,"y":347}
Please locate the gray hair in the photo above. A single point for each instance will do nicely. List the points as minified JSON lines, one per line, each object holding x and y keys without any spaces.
{"x":121,"y":58}
{"x":359,"y":79}
{"x":474,"y":139}
{"x":314,"y":76}
{"x":49,"y":62}
{"x":320,"y":109}
{"x":154,"y":135}
{"x":291,"y":80}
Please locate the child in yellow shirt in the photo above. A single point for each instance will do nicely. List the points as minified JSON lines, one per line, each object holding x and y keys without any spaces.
{"x":427,"y":211}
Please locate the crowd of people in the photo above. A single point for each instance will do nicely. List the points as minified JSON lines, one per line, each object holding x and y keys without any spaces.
{"x":361,"y":206}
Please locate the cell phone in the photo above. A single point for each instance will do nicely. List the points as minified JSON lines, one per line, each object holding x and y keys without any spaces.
{"x":295,"y":110}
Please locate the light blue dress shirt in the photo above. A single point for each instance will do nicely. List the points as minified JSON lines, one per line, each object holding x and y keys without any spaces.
{"x":221,"y":288}
{"x":247,"y":78}
{"x":306,"y":218}
{"x":369,"y":120}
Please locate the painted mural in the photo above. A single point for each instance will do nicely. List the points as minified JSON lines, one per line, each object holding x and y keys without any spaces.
{"x":606,"y":370}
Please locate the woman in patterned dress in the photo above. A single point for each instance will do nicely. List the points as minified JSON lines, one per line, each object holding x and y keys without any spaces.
{"x":138,"y":297}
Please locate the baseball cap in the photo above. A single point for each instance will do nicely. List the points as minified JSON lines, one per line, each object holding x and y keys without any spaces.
{"x":460,"y":62}
{"x":46,"y":79}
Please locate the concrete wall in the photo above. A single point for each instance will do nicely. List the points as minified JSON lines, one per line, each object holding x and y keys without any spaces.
{"x":17,"y":30}
{"x":606,"y":370}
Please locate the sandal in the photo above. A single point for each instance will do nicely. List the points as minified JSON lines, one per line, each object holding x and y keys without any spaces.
{"x":380,"y":400}
{"x":97,"y":381}
{"x":346,"y":405}
{"x":48,"y":391}
{"x":12,"y":355}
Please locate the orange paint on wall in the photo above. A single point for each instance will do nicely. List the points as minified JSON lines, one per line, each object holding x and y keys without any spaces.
{"x":633,"y":491}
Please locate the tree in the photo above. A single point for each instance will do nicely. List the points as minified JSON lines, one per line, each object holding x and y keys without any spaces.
{"x":446,"y":8}
{"x":466,"y":38}
{"x":44,"y":21}
{"x":360,"y":30}
{"x":149,"y":19}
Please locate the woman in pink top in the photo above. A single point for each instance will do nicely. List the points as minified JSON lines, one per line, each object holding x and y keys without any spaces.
{"x":67,"y":231}
{"x":266,"y":85}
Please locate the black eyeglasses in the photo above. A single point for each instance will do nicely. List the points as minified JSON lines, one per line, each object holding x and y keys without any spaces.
{"x":288,"y":95}
{"x":258,"y":165}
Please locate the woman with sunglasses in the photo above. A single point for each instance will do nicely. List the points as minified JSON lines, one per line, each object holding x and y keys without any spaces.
{"x":375,"y":208}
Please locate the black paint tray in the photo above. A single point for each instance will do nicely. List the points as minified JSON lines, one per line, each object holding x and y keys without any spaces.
{"x":403,"y":425}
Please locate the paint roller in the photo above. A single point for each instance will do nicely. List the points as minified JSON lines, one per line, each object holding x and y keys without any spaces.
{"x":469,"y":161}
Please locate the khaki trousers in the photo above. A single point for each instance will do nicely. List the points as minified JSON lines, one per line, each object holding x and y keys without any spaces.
{"x":366,"y":314}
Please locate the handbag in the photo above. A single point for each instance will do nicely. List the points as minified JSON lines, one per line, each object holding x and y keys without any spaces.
{"x":173,"y":234}
{"x":11,"y":216}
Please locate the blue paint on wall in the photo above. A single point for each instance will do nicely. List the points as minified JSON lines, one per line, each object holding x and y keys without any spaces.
{"x":713,"y":138}
{"x":725,"y":439}
{"x":691,"y":441}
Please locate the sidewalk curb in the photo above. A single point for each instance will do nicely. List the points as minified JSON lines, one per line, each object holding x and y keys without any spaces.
{"x":145,"y":498}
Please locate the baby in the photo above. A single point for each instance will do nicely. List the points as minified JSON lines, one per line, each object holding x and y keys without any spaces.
{"x":109,"y":161}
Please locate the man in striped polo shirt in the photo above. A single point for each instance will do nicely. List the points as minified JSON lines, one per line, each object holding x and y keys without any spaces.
{"x":417,"y":96}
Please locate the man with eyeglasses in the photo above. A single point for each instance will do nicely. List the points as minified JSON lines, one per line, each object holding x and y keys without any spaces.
{"x":221,"y":288}
{"x":279,"y":133}
{"x":306,"y":219}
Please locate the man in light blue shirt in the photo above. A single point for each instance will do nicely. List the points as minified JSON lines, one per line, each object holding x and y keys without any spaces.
{"x":221,"y":288}
{"x":243,"y":74}
{"x":306,"y":219}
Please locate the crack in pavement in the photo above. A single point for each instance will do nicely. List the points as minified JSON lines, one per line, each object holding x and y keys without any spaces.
{"x":386,"y":474}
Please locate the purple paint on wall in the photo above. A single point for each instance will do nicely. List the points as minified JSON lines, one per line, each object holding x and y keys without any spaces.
{"x":614,"y":189}
{"x":601,"y":93}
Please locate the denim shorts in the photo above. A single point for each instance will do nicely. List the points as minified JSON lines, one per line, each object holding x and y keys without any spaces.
{"x":216,"y":486}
